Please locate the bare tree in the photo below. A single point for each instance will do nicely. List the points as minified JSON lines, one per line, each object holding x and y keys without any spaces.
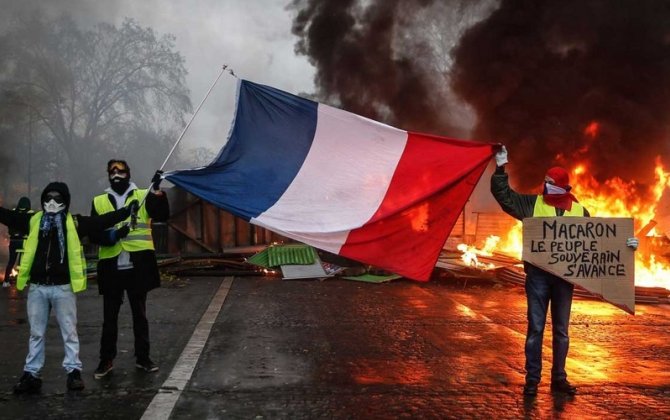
{"x":100,"y":92}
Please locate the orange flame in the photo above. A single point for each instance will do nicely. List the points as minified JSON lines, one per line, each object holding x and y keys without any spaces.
{"x":470,"y":253}
{"x":591,"y":130}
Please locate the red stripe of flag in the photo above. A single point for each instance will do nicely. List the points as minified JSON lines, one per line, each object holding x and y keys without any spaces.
{"x":431,"y":184}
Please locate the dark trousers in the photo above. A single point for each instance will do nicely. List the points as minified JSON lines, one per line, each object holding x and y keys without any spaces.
{"x":542,"y":289}
{"x":112,"y":301}
{"x":14,"y":245}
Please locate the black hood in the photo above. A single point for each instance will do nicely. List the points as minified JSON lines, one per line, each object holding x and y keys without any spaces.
{"x":24,"y":203}
{"x":60,"y":187}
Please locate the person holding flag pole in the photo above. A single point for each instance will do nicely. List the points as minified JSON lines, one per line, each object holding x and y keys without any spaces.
{"x":127,"y":258}
{"x":127,"y":262}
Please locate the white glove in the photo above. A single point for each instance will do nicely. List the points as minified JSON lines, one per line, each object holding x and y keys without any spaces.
{"x":501,"y":156}
{"x":633,"y":243}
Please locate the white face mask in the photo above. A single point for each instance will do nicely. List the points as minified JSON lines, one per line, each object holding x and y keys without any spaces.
{"x":53,"y":207}
{"x":553,"y":189}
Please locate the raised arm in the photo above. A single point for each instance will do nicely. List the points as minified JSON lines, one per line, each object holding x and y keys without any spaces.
{"x":15,"y":220}
{"x":516,"y":205}
{"x":158,"y":206}
{"x":157,"y":203}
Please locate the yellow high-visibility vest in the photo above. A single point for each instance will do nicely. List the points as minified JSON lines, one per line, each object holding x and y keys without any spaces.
{"x":75,"y":254}
{"x":138,"y":239}
{"x":543,"y":209}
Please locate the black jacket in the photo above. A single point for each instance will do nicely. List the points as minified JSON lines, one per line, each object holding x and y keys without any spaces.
{"x":145,"y":267}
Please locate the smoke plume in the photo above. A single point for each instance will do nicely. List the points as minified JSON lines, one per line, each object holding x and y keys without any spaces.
{"x":558,"y":82}
{"x":376,"y":59}
{"x":564,"y":82}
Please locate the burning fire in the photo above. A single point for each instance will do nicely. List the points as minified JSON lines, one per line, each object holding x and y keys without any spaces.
{"x":470,"y":253}
{"x":613,"y":198}
{"x":617,"y":198}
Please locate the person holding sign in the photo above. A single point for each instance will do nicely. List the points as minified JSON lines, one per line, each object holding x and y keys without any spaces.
{"x":543,"y":288}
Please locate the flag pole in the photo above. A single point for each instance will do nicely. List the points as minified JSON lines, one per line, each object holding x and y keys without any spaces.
{"x":223,"y":68}
{"x":133,"y":218}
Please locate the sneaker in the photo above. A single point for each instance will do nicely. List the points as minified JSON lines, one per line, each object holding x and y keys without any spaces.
{"x":530,"y":388}
{"x":146,"y":365}
{"x":563,"y":386}
{"x":74,"y":381}
{"x":28,"y":384}
{"x":103,"y":369}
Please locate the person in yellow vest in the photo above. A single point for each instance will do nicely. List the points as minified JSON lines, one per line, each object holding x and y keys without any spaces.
{"x":15,"y":241}
{"x":53,"y":265}
{"x":543,"y":288}
{"x":127,"y":263}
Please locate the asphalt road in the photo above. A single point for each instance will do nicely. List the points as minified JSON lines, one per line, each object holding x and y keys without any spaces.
{"x":267,"y":348}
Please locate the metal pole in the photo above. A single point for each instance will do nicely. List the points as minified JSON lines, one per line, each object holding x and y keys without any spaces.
{"x":192,"y":117}
{"x":223,"y":68}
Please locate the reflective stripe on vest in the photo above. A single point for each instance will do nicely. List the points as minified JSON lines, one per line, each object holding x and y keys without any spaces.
{"x":75,"y":254}
{"x":543,"y":209}
{"x":138,"y":239}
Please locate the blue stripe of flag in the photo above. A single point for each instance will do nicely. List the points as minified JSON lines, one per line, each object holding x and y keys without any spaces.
{"x":272,"y":134}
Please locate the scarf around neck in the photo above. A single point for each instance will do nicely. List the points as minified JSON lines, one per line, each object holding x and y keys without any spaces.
{"x":51,"y":220}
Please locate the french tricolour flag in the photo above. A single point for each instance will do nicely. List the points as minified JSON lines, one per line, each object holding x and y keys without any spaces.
{"x":338,"y":181}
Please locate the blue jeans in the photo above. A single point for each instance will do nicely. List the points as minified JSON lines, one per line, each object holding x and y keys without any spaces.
{"x":541,"y":289}
{"x":62,"y":299}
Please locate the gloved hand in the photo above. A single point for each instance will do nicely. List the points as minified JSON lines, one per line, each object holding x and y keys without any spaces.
{"x":156,"y":180}
{"x":633,"y":243}
{"x":121,"y":232}
{"x":114,"y":235}
{"x":501,"y":156}
{"x":133,"y":207}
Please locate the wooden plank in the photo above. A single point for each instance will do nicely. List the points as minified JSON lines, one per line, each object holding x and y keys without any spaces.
{"x":242,"y":232}
{"x":210,"y":226}
{"x":227,"y":229}
{"x":191,"y":237}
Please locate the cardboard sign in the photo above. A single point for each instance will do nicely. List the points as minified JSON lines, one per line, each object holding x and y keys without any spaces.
{"x":590,"y":252}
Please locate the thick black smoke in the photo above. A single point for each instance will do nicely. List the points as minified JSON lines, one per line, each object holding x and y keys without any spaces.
{"x":539,"y":72}
{"x":367,"y":61}
{"x":536,"y":72}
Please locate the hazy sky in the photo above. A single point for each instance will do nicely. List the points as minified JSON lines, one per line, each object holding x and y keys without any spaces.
{"x":253,"y":37}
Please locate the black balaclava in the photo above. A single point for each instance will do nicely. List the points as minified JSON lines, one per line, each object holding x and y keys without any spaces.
{"x":117,"y":182}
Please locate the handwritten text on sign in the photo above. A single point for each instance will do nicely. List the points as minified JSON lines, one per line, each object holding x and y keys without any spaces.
{"x":579,"y":247}
{"x":590,"y":252}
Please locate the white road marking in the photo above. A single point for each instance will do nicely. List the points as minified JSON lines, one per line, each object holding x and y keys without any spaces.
{"x":163,"y":403}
